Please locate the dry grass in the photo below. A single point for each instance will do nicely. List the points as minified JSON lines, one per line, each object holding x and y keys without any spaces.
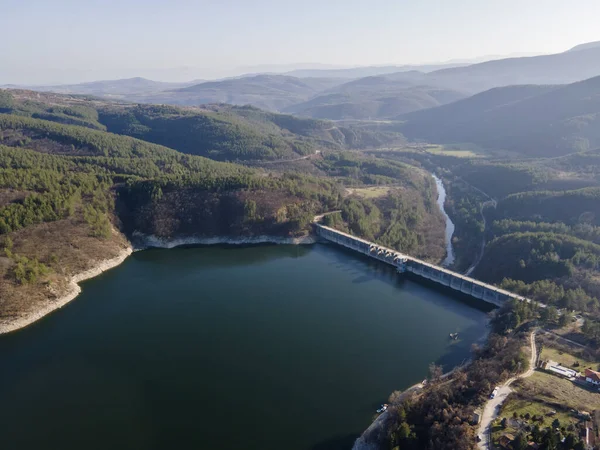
{"x":370,"y":192}
{"x":66,"y":248}
{"x":456,"y":152}
{"x":568,"y":360}
{"x":533,"y":408}
{"x":10,"y":195}
{"x":553,"y":390}
{"x":542,"y":393}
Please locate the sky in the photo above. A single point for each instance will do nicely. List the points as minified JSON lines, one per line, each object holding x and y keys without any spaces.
{"x":65,"y":41}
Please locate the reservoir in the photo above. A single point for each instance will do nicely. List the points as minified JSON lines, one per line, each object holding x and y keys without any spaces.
{"x":258,"y":347}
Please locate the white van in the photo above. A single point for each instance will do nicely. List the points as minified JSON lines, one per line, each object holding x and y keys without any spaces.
{"x":494,"y":392}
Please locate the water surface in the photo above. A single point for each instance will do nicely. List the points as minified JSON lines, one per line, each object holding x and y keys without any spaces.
{"x":441,"y":200}
{"x":263,"y":347}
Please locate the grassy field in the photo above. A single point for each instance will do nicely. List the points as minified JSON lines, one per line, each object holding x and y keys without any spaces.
{"x":533,"y":408}
{"x":567,"y":359}
{"x":554,"y":390}
{"x":542,"y":393}
{"x":370,"y":192}
{"x":453,"y":150}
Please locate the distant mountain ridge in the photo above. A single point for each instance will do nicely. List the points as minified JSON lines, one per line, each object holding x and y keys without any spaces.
{"x":533,"y":120}
{"x":112,"y":88}
{"x":377,"y":97}
{"x":587,"y":46}
{"x":359,"y":93}
{"x":369,"y":71}
{"x":561,"y":68}
{"x":271,"y":92}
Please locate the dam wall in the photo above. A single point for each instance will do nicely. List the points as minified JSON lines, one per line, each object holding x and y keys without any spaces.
{"x":404,"y":263}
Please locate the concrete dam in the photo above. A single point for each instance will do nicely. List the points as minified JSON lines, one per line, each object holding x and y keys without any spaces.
{"x":404,"y":263}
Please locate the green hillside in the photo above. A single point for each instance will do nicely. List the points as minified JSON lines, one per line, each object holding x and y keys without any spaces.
{"x":220,"y":132}
{"x":270,"y":92}
{"x":542,"y":122}
{"x":373,"y":98}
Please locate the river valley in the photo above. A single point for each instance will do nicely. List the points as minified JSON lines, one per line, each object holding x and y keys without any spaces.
{"x":441,"y":199}
{"x":256,"y":347}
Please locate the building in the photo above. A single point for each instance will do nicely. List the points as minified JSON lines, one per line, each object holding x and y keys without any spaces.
{"x":505,"y":440}
{"x":593,"y":377}
{"x":556,"y":369}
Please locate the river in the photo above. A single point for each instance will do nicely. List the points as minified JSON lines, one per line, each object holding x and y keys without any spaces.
{"x":441,"y":200}
{"x":257,"y":347}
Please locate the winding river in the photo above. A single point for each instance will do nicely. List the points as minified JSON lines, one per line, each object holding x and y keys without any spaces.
{"x":441,"y":200}
{"x":256,"y":347}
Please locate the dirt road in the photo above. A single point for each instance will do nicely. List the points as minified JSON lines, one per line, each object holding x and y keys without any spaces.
{"x":492,"y":407}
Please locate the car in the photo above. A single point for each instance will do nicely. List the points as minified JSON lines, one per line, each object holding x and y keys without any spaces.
{"x":494,"y":392}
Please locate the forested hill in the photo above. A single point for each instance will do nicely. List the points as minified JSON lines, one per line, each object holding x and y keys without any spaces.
{"x":73,"y":194}
{"x":65,"y":190}
{"x":373,"y":98}
{"x":536,"y":121}
{"x":220,"y":132}
{"x":271,"y":92}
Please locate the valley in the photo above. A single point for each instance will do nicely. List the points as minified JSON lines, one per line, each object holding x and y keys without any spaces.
{"x":90,"y":173}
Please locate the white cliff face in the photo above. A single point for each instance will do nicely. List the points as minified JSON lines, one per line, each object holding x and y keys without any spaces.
{"x":143,"y":241}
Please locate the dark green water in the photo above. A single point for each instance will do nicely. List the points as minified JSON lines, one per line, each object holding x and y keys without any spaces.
{"x":266,"y":347}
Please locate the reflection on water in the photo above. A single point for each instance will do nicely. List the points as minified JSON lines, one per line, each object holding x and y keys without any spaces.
{"x":261,"y":347}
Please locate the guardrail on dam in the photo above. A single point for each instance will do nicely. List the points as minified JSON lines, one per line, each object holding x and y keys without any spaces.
{"x":404,"y":263}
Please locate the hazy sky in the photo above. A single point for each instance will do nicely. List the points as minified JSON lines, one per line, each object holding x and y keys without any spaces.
{"x":48,"y":41}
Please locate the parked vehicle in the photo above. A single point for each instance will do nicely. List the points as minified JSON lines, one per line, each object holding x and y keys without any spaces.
{"x":494,"y":392}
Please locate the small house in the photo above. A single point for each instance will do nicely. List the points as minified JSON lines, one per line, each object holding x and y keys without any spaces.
{"x":592,"y":377}
{"x":505,"y":440}
{"x":556,"y":369}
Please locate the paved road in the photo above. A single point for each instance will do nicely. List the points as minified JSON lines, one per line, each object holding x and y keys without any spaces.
{"x":492,"y":407}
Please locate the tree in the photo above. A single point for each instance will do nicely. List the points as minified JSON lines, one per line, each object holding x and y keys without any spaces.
{"x":520,"y":442}
{"x":536,"y":434}
{"x":564,"y":319}
{"x":548,"y":315}
{"x":250,"y":210}
{"x":549,"y":440}
{"x":556,"y":424}
{"x":570,"y":441}
{"x":403,"y":431}
{"x":435,"y":372}
{"x":504,"y":423}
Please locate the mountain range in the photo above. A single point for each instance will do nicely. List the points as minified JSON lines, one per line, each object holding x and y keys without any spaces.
{"x":356,"y":93}
{"x":534,"y":120}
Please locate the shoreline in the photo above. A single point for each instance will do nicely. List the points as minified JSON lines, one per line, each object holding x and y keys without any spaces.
{"x":138,"y":242}
{"x":147,"y":241}
{"x":73,"y":291}
{"x":450,"y":257}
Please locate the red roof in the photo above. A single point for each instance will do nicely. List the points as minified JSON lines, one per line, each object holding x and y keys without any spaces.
{"x":592,"y":374}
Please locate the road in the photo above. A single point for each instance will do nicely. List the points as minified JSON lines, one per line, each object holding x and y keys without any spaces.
{"x":558,"y":336}
{"x":492,"y":407}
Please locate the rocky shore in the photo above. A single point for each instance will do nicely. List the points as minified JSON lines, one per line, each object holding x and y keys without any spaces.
{"x":72,"y":291}
{"x":144,"y":241}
